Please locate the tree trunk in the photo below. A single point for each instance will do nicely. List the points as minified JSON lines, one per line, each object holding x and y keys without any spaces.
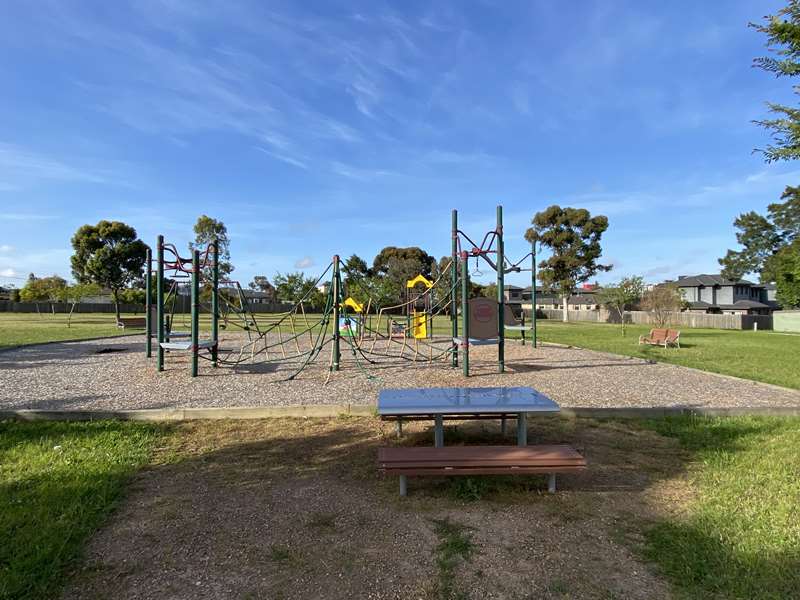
{"x":116,"y":303}
{"x":565,"y":308}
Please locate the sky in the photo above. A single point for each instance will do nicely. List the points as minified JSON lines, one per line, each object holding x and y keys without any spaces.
{"x":321,"y":128}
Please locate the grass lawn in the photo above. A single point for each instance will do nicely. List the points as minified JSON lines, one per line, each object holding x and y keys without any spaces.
{"x":58,"y":481}
{"x":740,"y":537}
{"x":18,"y":329}
{"x":736,"y":535}
{"x":757,"y":355}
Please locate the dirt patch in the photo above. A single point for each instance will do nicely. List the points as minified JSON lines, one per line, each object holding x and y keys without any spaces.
{"x":295,"y":509}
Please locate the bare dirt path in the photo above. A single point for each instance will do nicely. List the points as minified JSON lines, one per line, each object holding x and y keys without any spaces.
{"x":114,"y":374}
{"x":295,"y":509}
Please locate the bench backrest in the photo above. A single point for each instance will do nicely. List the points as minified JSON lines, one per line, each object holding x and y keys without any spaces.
{"x":673,"y":335}
{"x":658,"y":334}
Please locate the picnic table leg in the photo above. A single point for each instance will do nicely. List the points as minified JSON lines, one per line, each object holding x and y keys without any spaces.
{"x":403,"y":485}
{"x":522,"y":429}
{"x":438,"y":434}
{"x":503,"y":426}
{"x":399,"y":428}
{"x":551,"y":483}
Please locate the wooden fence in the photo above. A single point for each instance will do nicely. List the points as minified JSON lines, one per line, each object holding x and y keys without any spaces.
{"x":182,"y":305}
{"x":676,"y":319}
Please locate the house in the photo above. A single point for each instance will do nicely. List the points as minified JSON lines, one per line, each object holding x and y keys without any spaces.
{"x":717,"y":295}
{"x":518,"y":297}
{"x":259,"y":296}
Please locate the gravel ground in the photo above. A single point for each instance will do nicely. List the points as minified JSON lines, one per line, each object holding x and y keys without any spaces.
{"x":114,"y":374}
{"x":296,"y":509}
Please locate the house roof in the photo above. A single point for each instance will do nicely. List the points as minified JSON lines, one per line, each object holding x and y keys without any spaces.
{"x":582,"y":299}
{"x":515,"y":287}
{"x":709,"y":280}
{"x":699,"y":304}
{"x":744,"y":304}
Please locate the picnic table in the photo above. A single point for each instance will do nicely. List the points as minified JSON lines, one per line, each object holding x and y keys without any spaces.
{"x":438,"y":404}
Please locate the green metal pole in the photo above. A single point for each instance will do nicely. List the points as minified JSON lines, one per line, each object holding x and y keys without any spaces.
{"x":195,"y":309}
{"x":148,"y":304}
{"x":465,"y":312}
{"x":533,"y":292}
{"x":160,"y":301}
{"x":501,"y":327}
{"x":215,"y":304}
{"x":336,"y":294}
{"x":453,"y":292}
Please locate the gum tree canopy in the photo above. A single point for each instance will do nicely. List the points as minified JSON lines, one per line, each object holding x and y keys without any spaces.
{"x":573,"y":237}
{"x":108,"y":254}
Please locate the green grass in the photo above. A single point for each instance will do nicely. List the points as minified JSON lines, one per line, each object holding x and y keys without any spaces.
{"x":757,"y":355}
{"x":19,"y":329}
{"x":58,"y":482}
{"x":741,"y":536}
{"x":454,"y":548}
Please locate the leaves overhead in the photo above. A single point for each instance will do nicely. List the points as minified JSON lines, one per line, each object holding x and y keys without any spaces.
{"x":206,"y":230}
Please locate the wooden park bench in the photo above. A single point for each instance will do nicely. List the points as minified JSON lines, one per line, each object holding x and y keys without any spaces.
{"x":479,"y":460}
{"x":662,"y":337}
{"x":131,"y":323}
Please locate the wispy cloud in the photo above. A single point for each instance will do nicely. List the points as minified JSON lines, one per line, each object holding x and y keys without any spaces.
{"x":20,"y":167}
{"x":5,"y":248}
{"x":26,"y":217}
{"x":304,"y":263}
{"x":9,"y":272}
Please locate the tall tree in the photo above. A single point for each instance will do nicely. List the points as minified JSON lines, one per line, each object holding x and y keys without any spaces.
{"x":108,"y":254}
{"x":51,"y":288}
{"x":398,"y":265}
{"x":763,"y":237}
{"x":622,"y":296}
{"x":206,"y":230}
{"x":662,"y":301}
{"x":783,"y":40}
{"x":573,"y":237}
{"x":261,"y":284}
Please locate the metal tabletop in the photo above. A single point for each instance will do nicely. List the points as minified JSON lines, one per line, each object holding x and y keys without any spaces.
{"x":437,"y":402}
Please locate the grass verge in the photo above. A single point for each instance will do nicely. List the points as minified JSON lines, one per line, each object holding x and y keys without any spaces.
{"x":58,"y":482}
{"x":741,"y":535}
{"x":454,"y":548}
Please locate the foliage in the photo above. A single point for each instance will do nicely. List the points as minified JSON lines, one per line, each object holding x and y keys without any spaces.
{"x":108,"y":254}
{"x":206,"y":230}
{"x":785,"y":266}
{"x":294,"y":287}
{"x":261,"y":283}
{"x":661,"y":301}
{"x":739,"y":536}
{"x":763,"y":237}
{"x":622,"y":297}
{"x":53,"y":288}
{"x":442,"y":272}
{"x":422,"y":260}
{"x":59,"y":483}
{"x":783,"y":40}
{"x":14,"y":296}
{"x":489,"y":291}
{"x":133,"y":296}
{"x":573,"y":236}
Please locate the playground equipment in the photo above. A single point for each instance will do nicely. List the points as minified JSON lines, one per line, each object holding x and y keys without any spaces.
{"x":418,"y":307}
{"x":485,"y":322}
{"x":361,"y":324}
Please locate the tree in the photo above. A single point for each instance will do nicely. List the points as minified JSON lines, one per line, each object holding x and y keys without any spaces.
{"x":785,"y":267}
{"x":51,"y":288}
{"x":763,"y":238}
{"x":489,"y":290}
{"x":622,"y":297}
{"x":783,"y":40}
{"x":206,"y":230}
{"x":261,"y":284}
{"x":77,"y":292}
{"x":294,"y":287}
{"x":573,"y":236}
{"x":661,"y":301}
{"x":108,"y":254}
{"x":413,"y":255}
{"x":14,"y":295}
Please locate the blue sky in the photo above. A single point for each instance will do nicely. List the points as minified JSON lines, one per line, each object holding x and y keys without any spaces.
{"x":314,"y":128}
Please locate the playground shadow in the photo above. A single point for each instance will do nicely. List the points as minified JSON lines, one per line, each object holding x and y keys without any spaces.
{"x":275,"y":508}
{"x":519,"y":367}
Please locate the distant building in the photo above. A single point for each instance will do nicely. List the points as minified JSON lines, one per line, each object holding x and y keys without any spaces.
{"x":717,"y":295}
{"x":585,"y":299}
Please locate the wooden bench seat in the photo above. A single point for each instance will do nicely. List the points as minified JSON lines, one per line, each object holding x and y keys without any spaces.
{"x":131,"y":323}
{"x":479,"y":460}
{"x":662,"y":337}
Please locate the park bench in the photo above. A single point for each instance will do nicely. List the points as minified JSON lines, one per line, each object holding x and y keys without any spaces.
{"x":479,"y":460}
{"x":131,"y":323}
{"x":662,"y":337}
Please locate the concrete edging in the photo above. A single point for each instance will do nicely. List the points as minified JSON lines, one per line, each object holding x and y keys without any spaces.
{"x":361,"y":410}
